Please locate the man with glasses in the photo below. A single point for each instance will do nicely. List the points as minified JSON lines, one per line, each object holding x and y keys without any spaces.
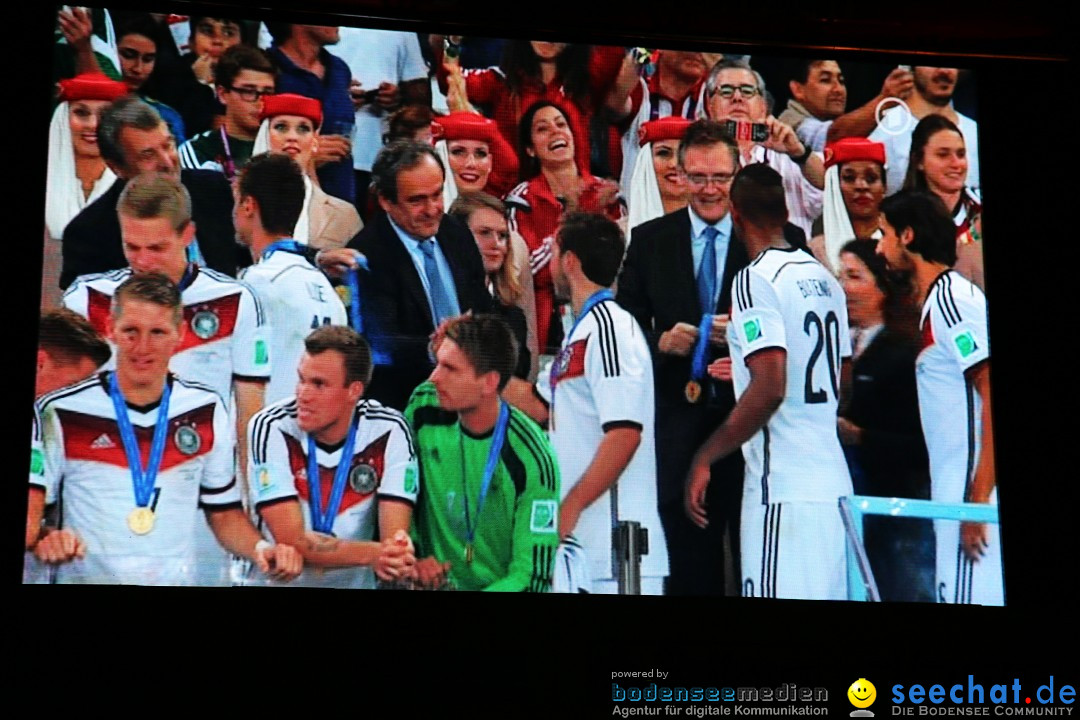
{"x":242,"y":76}
{"x":676,"y":281}
{"x":735,"y":92}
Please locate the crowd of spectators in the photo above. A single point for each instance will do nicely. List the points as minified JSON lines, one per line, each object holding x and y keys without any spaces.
{"x":400,"y":135}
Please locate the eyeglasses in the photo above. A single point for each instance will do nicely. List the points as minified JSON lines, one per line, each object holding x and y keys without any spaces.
{"x":728,"y":91}
{"x":700,"y":180}
{"x":249,"y":94}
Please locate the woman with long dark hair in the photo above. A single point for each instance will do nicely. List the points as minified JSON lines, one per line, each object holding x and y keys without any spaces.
{"x":580,"y":78}
{"x":939,"y":163}
{"x":880,"y":427}
{"x":554,"y":184}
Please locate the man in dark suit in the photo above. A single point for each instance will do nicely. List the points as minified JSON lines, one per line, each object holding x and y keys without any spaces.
{"x":677,"y":268}
{"x":424,"y":268}
{"x":134,"y":139}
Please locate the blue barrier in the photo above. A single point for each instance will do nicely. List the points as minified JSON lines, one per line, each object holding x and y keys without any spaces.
{"x":861,"y":584}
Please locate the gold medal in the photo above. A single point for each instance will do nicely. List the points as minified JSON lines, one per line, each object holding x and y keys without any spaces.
{"x":693,"y":391}
{"x":468,"y":553}
{"x":141,"y":520}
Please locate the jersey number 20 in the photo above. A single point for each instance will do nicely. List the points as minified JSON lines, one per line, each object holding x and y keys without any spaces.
{"x":315,"y":322}
{"x":827,"y":334}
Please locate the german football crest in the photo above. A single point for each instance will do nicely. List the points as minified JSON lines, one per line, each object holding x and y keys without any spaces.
{"x":363,"y":478}
{"x":187,"y":440}
{"x":205,"y":324}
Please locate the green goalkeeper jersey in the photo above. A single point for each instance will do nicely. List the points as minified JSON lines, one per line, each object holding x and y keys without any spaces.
{"x":515,"y":533}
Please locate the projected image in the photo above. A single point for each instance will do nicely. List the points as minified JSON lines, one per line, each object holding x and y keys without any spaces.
{"x":331,"y":306}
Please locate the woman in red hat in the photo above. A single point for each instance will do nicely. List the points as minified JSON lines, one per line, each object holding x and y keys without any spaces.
{"x":938,"y":162}
{"x":656,"y":186}
{"x":854,"y":189}
{"x":478,"y":157}
{"x":290,"y":125}
{"x":77,"y":174}
{"x":554,"y":184}
{"x":581,"y":78}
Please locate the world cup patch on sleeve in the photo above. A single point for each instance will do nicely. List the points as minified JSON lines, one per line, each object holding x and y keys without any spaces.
{"x":543,"y":516}
{"x":752,"y":329}
{"x":37,"y":462}
{"x":261,"y":355}
{"x":411,"y":485}
{"x":965,"y":343}
{"x":263,"y":482}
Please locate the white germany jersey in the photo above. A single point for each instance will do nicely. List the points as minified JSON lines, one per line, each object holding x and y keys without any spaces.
{"x":225,"y":331}
{"x":383,"y":466}
{"x":954,"y":338}
{"x":298,"y":299}
{"x":85,"y":468}
{"x":786,"y":299}
{"x":604,"y":380}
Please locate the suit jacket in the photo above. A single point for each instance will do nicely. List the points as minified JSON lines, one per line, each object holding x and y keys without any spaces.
{"x":658,"y":287}
{"x":92,"y":241}
{"x":884,"y":403}
{"x":394,"y":306}
{"x":332,"y":222}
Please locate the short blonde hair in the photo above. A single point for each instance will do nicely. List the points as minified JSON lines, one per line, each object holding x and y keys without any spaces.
{"x":154,"y":195}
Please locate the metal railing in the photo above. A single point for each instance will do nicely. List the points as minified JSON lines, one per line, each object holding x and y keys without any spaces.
{"x":861,"y":584}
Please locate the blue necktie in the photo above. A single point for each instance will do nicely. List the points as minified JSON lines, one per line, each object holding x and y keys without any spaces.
{"x":706,"y":277}
{"x":440,"y":300}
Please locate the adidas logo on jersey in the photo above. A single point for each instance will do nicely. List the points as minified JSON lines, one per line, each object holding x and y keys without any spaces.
{"x":103,"y":442}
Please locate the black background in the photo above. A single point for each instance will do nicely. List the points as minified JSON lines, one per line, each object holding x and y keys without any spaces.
{"x":518,"y":656}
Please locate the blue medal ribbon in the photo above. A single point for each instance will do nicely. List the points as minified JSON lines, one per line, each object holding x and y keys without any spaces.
{"x":320,"y":521}
{"x":356,"y":318}
{"x":188,"y":277}
{"x":593,"y":300}
{"x":352,"y":279}
{"x":497,"y":439}
{"x":697,"y":367}
{"x":287,"y":245}
{"x":142,"y":479}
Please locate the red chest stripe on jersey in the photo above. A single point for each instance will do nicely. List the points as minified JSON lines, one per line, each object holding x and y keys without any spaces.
{"x":97,"y":439}
{"x":373,"y":455}
{"x":225,"y":308}
{"x":97,"y":309}
{"x":571,"y":361}
{"x":927,"y":335}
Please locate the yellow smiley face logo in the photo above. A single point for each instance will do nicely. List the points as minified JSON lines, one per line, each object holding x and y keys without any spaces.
{"x":862,"y":693}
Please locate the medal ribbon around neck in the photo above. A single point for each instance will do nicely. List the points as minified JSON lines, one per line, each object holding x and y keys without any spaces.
{"x":497,"y":439}
{"x":697,"y":366}
{"x":593,"y":300}
{"x":320,"y":521}
{"x":291,"y":246}
{"x":141,"y":479}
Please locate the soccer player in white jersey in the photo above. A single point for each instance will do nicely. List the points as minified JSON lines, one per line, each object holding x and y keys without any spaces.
{"x":298,"y":298}
{"x":599,"y":404}
{"x":790,"y":346}
{"x":69,"y":350}
{"x":953,"y":376}
{"x":226,"y":343}
{"x":132,"y":454}
{"x":351,"y":524}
